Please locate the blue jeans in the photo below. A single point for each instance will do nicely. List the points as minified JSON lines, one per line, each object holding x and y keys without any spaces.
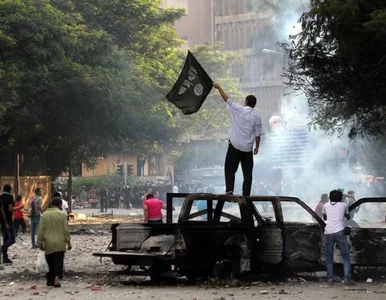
{"x":9,"y":239}
{"x":340,"y":239}
{"x":35,"y":220}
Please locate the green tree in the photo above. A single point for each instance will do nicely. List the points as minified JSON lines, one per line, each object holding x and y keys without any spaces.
{"x":338,"y":61}
{"x":72,"y":89}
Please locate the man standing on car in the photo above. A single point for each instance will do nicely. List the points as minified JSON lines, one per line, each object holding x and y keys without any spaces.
{"x":245,"y":131}
{"x":334,"y":213}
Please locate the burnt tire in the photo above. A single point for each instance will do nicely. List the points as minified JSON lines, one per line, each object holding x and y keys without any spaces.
{"x":226,"y":268}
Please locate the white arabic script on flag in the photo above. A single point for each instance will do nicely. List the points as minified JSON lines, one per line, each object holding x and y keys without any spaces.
{"x":188,"y":83}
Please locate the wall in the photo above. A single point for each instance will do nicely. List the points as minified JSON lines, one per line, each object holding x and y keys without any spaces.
{"x":28,"y":184}
{"x":109,"y":164}
{"x":259,"y":73}
{"x":197,"y":27}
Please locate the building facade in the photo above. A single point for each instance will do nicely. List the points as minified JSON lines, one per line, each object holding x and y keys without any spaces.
{"x":197,"y":26}
{"x":251,"y":35}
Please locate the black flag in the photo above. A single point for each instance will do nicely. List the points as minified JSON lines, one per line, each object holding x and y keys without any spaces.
{"x":192,"y":87}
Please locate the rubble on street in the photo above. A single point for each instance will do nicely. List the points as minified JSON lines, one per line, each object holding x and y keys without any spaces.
{"x":88,"y":277}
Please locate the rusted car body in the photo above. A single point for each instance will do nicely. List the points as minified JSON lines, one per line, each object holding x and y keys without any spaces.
{"x":225,"y":236}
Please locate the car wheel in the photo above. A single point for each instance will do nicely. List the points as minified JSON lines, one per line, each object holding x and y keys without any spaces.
{"x":226,"y":268}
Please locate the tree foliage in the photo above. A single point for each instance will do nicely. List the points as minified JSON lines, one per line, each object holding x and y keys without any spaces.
{"x":339,"y":62}
{"x":83,"y":77}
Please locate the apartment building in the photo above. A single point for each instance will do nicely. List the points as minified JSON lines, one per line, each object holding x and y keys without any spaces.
{"x":252,"y":35}
{"x":197,"y":26}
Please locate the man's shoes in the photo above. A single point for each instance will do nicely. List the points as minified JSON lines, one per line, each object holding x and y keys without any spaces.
{"x":7,"y":261}
{"x":57,"y":285}
{"x":1,"y":268}
{"x":35,"y":247}
{"x":349,"y":282}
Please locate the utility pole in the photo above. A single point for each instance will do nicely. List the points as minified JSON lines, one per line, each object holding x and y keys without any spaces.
{"x":125,"y":173}
{"x":69,"y":184}
{"x":16,"y":187}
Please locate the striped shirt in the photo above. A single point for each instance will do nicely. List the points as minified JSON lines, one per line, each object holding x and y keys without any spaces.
{"x":53,"y":231}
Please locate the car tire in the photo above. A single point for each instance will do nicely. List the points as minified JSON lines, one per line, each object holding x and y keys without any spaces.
{"x":226,"y":268}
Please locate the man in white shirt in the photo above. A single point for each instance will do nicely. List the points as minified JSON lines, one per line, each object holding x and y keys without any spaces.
{"x":334,"y":213}
{"x":244,"y":133}
{"x":64,"y":207}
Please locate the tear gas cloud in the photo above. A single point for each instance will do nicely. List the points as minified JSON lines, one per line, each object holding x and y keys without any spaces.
{"x":324,"y":162}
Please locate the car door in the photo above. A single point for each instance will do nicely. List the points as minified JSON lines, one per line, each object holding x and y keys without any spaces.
{"x":267,"y":235}
{"x":368,"y":241}
{"x":303,"y":232}
{"x":196,"y":230}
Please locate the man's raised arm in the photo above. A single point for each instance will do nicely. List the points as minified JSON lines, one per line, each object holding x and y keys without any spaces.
{"x":221,"y":91}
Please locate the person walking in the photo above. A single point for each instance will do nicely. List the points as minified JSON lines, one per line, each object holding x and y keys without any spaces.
{"x":245,"y":131}
{"x":53,"y":235}
{"x":65,"y":209}
{"x":3,"y":225}
{"x":334,"y":213}
{"x":9,"y":236}
{"x":18,"y":217}
{"x":103,"y":202}
{"x":34,"y":212}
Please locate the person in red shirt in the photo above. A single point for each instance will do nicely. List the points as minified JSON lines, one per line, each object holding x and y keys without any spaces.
{"x":152,"y":210}
{"x":18,"y":216}
{"x":319,"y":206}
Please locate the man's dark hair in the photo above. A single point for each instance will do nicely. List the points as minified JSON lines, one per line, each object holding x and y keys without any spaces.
{"x":7,"y":188}
{"x":336,"y":196}
{"x":18,"y":198}
{"x":57,"y":194}
{"x":148,"y":196}
{"x":251,"y":101}
{"x":350,"y":193}
{"x":57,"y":202}
{"x":324,"y":198}
{"x":37,"y":190}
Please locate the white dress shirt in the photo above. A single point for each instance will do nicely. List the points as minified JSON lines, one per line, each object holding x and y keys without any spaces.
{"x":246,"y":125}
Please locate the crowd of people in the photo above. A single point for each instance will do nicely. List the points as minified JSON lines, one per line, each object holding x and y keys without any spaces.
{"x":122,"y":196}
{"x":48,"y":228}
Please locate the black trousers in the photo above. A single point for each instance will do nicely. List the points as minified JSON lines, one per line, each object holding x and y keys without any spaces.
{"x":103,"y":205}
{"x":155,"y":221}
{"x":19,"y":223}
{"x":232,"y":160}
{"x":55,"y":263}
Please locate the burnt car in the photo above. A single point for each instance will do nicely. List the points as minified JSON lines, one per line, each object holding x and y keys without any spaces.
{"x":227,"y":236}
